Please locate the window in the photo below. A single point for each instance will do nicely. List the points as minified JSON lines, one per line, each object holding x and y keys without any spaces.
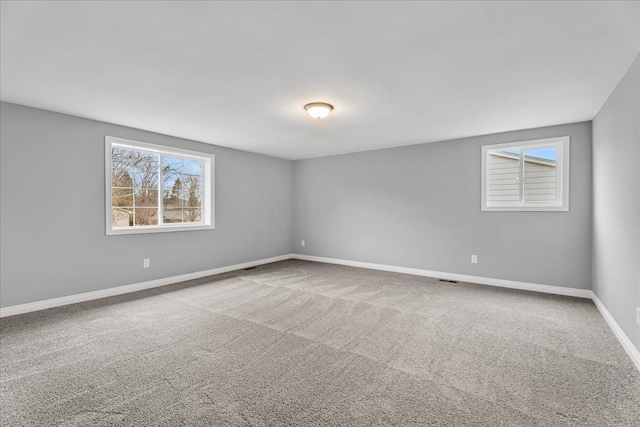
{"x":152,"y":188}
{"x":526,"y":176}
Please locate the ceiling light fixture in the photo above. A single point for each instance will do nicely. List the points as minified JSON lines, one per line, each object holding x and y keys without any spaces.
{"x":318,"y":110}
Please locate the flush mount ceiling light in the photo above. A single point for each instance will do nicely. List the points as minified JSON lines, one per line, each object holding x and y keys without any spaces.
{"x":318,"y":110}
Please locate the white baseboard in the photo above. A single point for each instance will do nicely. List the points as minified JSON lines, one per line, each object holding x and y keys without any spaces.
{"x":581,"y":293}
{"x":631,"y":350}
{"x":88,"y":296}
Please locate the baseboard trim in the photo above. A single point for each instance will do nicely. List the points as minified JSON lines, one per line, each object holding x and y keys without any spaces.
{"x":580,"y":293}
{"x":119,"y":290}
{"x":626,"y":343}
{"x":631,"y":350}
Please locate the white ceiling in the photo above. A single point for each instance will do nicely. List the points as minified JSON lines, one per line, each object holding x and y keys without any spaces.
{"x":239,"y":74}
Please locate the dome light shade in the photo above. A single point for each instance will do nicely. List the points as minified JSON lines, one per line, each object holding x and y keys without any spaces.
{"x":318,"y":110}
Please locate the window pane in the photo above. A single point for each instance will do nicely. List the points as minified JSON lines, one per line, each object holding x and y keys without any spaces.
{"x":121,"y":155}
{"x":171,"y":167}
{"x":192,"y":167}
{"x":121,"y":167}
{"x":192,"y":215}
{"x":503,"y":177}
{"x":134,"y":168}
{"x":173,"y":192}
{"x":169,"y":202}
{"x":192,"y":194}
{"x":121,"y":217}
{"x":146,"y":216}
{"x":540,"y":175}
{"x":121,"y":177}
{"x":122,"y":197}
{"x":145,"y":169}
{"x":146,"y":197}
{"x":171,"y":215}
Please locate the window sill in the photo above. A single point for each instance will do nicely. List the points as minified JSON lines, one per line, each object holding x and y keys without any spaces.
{"x":160,"y":229}
{"x":525,"y":209}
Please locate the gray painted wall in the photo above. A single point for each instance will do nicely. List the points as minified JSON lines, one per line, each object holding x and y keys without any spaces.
{"x":419,"y":206}
{"x":616,"y":203}
{"x":52,"y":205}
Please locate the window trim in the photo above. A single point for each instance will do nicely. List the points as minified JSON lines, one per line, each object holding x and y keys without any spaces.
{"x":562,"y":143}
{"x":208,"y":188}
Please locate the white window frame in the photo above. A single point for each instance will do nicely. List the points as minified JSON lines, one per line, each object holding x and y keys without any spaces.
{"x":562,"y":144}
{"x":208,"y":188}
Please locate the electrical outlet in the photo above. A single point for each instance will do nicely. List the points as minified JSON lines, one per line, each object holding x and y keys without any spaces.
{"x":474,"y":259}
{"x":638,"y":315}
{"x":302,"y":243}
{"x":146,"y":262}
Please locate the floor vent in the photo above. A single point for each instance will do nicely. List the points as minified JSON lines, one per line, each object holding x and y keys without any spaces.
{"x":449,"y":281}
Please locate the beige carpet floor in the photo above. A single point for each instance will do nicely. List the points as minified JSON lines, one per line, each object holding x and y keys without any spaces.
{"x":298,"y":343}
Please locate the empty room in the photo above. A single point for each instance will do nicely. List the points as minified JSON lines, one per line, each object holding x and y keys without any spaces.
{"x":320,"y":213}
